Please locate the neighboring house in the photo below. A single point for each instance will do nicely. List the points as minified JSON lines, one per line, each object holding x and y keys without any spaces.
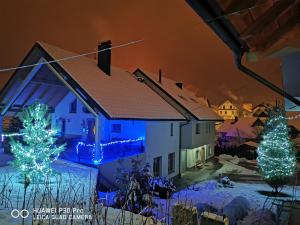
{"x":228,"y":111}
{"x":234,"y":133}
{"x":197,"y":135}
{"x":261,"y":111}
{"x":294,"y":124}
{"x":103,"y":113}
{"x":247,"y":109}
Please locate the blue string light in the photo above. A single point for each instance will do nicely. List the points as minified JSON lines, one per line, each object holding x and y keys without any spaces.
{"x":102,"y":145}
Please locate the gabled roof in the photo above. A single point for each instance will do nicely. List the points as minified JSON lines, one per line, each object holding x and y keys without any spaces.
{"x":227,"y":102}
{"x":120,"y":96}
{"x":183,"y":97}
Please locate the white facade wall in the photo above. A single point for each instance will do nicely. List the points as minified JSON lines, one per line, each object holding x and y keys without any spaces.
{"x":159,"y":142}
{"x":75,"y":122}
{"x":192,"y":141}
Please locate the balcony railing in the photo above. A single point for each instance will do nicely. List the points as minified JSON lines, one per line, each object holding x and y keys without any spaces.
{"x":108,"y":151}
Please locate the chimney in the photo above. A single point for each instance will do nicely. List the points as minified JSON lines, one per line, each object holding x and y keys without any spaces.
{"x":179,"y":84}
{"x":159,"y":76}
{"x":104,"y":57}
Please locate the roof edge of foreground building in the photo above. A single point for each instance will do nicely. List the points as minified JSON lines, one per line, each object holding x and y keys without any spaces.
{"x":118,"y":95}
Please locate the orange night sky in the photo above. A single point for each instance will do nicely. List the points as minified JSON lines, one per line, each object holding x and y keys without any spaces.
{"x":174,"y":39}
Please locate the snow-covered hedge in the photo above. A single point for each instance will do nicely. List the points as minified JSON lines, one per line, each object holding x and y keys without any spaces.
{"x":237,"y":209}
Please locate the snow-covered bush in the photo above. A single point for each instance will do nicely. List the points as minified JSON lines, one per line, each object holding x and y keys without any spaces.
{"x":134,"y":187}
{"x":163,"y":185}
{"x":237,"y":209}
{"x":259,"y":217}
{"x":183,"y":214}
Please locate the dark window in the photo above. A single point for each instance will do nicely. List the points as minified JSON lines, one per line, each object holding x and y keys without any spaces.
{"x":171,"y":129}
{"x":198,"y":128}
{"x":171,"y":163}
{"x":116,"y":128}
{"x":225,"y":112}
{"x":231,"y":107}
{"x":157,"y":166}
{"x":73,"y":107}
{"x":85,"y":109}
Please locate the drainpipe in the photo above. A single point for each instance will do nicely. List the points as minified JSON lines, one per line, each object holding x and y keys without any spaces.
{"x":247,"y":71}
{"x":180,"y":145}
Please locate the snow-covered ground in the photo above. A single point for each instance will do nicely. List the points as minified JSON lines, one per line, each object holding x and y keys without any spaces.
{"x":76,"y":185}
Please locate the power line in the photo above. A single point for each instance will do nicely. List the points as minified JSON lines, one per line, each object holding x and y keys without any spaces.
{"x":70,"y":57}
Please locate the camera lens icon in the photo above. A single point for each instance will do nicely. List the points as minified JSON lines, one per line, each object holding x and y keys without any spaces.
{"x":15,"y":213}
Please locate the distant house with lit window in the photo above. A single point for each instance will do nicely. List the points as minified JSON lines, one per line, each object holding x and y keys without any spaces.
{"x":197,"y":134}
{"x":103,"y":113}
{"x":228,"y":110}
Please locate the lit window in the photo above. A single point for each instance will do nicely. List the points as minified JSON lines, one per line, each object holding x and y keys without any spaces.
{"x":171,"y":163}
{"x":116,"y":128}
{"x":198,"y":128}
{"x":73,"y":107}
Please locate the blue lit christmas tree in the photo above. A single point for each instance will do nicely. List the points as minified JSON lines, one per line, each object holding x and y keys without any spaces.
{"x":35,"y":153}
{"x":276,"y":155}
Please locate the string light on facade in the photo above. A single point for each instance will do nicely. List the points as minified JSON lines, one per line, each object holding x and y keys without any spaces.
{"x":98,"y":160}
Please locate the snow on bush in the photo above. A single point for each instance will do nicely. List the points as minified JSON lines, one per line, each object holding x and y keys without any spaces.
{"x":134,"y":193}
{"x":163,"y":185}
{"x":237,"y":209}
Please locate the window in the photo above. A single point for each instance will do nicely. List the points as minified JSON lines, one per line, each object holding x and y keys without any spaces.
{"x":171,"y":129}
{"x":223,"y":106}
{"x":198,"y":128}
{"x":230,"y":106}
{"x":225,"y":112}
{"x":207,"y":128}
{"x":116,"y":128}
{"x":157,"y":166}
{"x":171,"y":163}
{"x":73,"y":107}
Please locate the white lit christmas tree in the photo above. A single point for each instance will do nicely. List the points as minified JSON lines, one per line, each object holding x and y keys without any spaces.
{"x":276,"y":155}
{"x":37,"y":150}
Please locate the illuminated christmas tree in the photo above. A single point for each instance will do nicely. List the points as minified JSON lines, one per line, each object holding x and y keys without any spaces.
{"x":276,"y":155}
{"x":37,"y":150}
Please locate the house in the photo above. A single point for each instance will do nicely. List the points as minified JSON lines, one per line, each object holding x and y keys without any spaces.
{"x":228,"y":111}
{"x":236,"y":132}
{"x":197,"y":134}
{"x":103,"y":113}
{"x":261,"y":111}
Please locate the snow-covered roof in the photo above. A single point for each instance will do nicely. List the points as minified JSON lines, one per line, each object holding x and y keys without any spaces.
{"x":242,"y":128}
{"x":294,"y":121}
{"x":185,"y":98}
{"x":119,"y":95}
